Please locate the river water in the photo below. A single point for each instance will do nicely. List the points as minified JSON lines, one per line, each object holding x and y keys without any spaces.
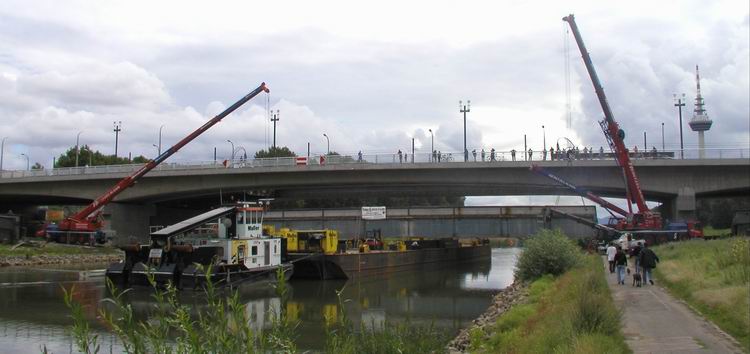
{"x":33,"y":315}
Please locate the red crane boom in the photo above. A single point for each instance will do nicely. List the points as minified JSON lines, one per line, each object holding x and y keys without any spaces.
{"x":87,"y":219}
{"x":615,"y":136}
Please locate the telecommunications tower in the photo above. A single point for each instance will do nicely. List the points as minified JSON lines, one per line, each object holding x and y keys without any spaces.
{"x":700,"y":121}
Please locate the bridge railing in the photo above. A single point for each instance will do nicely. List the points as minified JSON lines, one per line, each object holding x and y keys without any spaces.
{"x":387,"y":158}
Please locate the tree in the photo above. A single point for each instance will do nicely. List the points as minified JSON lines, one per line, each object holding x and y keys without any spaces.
{"x":88,"y":157}
{"x":275,"y":151}
{"x":37,"y":166}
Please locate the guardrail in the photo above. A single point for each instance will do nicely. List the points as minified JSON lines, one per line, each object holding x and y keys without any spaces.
{"x":393,"y":158}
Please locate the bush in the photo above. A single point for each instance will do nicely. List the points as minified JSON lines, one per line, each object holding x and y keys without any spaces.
{"x":547,"y":252}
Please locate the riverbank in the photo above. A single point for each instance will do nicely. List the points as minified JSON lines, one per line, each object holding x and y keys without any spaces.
{"x":713,"y":277}
{"x":40,"y":253}
{"x":503,"y":301}
{"x":571,"y":313}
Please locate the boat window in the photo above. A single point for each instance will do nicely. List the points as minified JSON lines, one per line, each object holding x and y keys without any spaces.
{"x":254,"y":251}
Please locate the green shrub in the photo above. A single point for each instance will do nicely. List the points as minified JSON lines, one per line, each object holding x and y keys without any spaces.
{"x":547,"y":252}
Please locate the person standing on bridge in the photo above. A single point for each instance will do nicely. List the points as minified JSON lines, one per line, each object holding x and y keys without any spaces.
{"x":434,"y":156}
{"x":474,"y":153}
{"x":513,"y":154}
{"x":530,"y":152}
{"x":400,"y":156}
{"x":648,"y":260}
{"x":551,"y":153}
{"x":483,"y":155}
{"x":611,"y":251}
{"x":601,"y":153}
{"x":359,"y":156}
{"x":492,"y":154}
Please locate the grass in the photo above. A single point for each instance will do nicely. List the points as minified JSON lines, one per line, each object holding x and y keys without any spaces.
{"x":54,"y":249}
{"x":573,"y":313}
{"x":714,"y":278}
{"x":710,"y":232}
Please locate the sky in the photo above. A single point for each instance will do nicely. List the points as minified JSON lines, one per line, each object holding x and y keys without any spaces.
{"x":371,"y":75}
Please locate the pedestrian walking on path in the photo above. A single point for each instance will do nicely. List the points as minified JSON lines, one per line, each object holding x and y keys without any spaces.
{"x":611,"y":251}
{"x":648,"y":260}
{"x":621,"y":263}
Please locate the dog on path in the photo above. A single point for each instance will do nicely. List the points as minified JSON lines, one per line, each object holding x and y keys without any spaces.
{"x":637,"y":280}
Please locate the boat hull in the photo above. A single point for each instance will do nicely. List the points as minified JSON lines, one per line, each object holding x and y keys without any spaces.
{"x":351,"y":265}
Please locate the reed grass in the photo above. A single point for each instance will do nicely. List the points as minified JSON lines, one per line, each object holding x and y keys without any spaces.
{"x":714,"y":278}
{"x":572,"y":313}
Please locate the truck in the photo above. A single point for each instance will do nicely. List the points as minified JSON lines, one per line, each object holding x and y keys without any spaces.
{"x":643,"y":220}
{"x":86,"y":225}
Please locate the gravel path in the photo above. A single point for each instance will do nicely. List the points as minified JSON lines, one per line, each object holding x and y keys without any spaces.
{"x":655,"y":322}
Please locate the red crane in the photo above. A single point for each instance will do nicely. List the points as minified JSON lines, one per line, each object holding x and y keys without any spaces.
{"x":88,"y":220}
{"x":644,"y":218}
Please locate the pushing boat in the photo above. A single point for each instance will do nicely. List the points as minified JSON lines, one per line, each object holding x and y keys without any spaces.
{"x":225,"y":245}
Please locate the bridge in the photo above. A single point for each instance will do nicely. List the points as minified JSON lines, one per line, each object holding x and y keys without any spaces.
{"x":672,"y":181}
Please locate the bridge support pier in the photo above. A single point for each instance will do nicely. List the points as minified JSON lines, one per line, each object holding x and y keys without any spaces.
{"x":129,"y":221}
{"x":684,"y":204}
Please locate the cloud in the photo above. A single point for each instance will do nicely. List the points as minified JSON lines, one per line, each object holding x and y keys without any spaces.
{"x":368,"y":86}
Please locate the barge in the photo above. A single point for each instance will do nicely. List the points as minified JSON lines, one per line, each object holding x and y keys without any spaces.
{"x":352,"y":264}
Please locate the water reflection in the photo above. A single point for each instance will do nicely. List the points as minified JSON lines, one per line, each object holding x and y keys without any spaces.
{"x":32,"y":311}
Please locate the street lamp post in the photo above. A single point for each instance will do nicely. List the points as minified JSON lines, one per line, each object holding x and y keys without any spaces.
{"x":432,"y":144}
{"x":645,"y":146}
{"x":328,"y":144}
{"x":2,"y":152}
{"x":27,"y":161}
{"x":662,"y":136}
{"x":159,"y":147}
{"x":156,"y":146}
{"x":465,"y":109}
{"x":78,"y":136}
{"x":229,"y":141}
{"x":117,"y":131}
{"x":544,"y":143}
{"x":274,"y":119}
{"x":680,"y":103}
